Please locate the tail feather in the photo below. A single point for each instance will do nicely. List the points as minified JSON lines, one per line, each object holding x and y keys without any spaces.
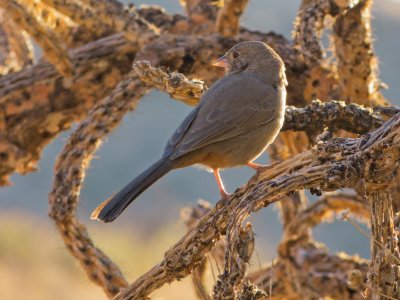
{"x":111,"y":208}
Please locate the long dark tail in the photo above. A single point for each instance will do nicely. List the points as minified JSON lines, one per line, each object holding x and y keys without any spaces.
{"x":111,"y":208}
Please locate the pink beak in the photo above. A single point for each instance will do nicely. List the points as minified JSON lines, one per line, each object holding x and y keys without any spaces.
{"x":222,"y":62}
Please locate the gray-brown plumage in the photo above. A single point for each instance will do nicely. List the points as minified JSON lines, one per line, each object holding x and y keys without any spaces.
{"x":235,"y":120}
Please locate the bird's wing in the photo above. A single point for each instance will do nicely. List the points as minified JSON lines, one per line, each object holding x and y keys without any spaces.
{"x":180,"y":131}
{"x":235,"y":106}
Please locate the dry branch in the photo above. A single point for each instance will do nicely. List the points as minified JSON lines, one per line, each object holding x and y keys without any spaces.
{"x":60,"y":25}
{"x":16,"y":50}
{"x":201,"y":15}
{"x":175,"y":84}
{"x":238,"y":253}
{"x":81,"y":14}
{"x":357,"y":63}
{"x":51,"y":46}
{"x":383,"y":275}
{"x":70,"y":171}
{"x":228,"y":17}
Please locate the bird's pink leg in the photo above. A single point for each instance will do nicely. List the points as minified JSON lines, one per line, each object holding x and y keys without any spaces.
{"x":255,"y":166}
{"x":224,"y":193}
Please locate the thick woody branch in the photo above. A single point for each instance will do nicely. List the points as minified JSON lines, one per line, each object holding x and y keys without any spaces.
{"x":228,"y":17}
{"x":336,"y":164}
{"x":81,"y":14}
{"x":201,"y":15}
{"x":107,"y":18}
{"x":190,"y":216}
{"x":16,"y":50}
{"x":46,"y":39}
{"x":357,"y":63}
{"x":383,"y":275}
{"x":61,"y":26}
{"x":111,"y":7}
{"x":333,"y":115}
{"x":69,"y":173}
{"x":238,"y":252}
{"x":309,"y":26}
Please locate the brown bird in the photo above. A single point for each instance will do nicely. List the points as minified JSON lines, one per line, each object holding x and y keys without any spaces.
{"x":235,"y":120}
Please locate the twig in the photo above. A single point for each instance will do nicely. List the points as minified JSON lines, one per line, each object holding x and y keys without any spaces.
{"x":175,"y":84}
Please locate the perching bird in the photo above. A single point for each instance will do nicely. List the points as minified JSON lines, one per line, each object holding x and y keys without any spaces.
{"x":234,"y":122}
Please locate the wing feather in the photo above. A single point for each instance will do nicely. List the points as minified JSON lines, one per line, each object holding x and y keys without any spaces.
{"x":231,"y":107}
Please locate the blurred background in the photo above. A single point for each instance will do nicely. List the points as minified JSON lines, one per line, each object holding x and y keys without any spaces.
{"x":34,"y":263}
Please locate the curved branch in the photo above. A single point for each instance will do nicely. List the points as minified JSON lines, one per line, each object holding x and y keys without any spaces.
{"x":309,"y":25}
{"x":70,"y":171}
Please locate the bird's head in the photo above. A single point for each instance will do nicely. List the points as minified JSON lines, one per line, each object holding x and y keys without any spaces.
{"x":253,"y":56}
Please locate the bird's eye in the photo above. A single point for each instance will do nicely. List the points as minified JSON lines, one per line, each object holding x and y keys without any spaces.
{"x":235,"y":54}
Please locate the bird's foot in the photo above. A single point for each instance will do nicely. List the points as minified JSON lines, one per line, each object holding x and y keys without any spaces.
{"x":224,"y":198}
{"x":224,"y":194}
